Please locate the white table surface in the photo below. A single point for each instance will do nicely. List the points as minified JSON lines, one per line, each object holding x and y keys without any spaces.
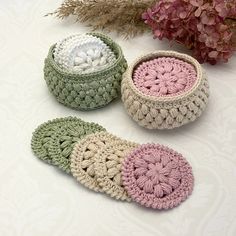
{"x":37,"y":199}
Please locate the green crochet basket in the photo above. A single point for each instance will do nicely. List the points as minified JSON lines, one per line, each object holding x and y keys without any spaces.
{"x":86,"y":91}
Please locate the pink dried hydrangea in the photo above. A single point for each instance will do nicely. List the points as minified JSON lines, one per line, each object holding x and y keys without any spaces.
{"x":205,"y":26}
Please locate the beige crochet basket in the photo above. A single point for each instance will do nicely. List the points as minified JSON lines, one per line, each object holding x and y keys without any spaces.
{"x":165,"y":112}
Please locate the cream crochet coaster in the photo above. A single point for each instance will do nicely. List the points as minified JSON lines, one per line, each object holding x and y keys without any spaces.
{"x":108,"y":163}
{"x":64,"y":139}
{"x":83,"y":158}
{"x":42,"y":136}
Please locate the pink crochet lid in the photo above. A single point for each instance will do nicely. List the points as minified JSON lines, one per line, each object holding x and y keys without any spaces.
{"x":164,"y":76}
{"x":157,"y":176}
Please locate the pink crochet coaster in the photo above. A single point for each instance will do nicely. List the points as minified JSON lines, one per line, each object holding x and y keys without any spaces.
{"x":157,"y":176}
{"x":164,"y":76}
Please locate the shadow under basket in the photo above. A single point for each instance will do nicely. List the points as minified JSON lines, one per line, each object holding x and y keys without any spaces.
{"x":165,"y":111}
{"x":86,"y":91}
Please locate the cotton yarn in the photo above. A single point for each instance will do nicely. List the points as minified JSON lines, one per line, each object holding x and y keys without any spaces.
{"x":157,"y":176}
{"x":150,"y":174}
{"x":165,"y":90}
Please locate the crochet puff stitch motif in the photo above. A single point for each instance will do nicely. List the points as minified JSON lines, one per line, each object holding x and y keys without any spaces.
{"x":83,"y":159}
{"x":164,"y":76}
{"x":83,"y":54}
{"x":65,"y":138}
{"x":156,"y":176}
{"x":42,"y":136}
{"x":53,"y":140}
{"x":108,"y":162}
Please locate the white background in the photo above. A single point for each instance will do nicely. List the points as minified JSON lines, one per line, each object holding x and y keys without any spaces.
{"x":37,"y":199}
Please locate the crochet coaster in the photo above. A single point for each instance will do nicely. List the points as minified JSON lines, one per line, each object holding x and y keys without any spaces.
{"x":108,"y":167}
{"x":165,"y":90}
{"x":156,"y":176}
{"x":83,"y":158}
{"x":91,"y":90}
{"x":164,"y":76}
{"x":83,"y":53}
{"x":42,"y":136}
{"x":64,"y":139}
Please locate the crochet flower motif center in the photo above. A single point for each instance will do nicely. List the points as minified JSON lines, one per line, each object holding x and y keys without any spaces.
{"x":164,"y":76}
{"x":88,"y":163}
{"x":83,"y":54}
{"x":91,"y":58}
{"x":156,"y":173}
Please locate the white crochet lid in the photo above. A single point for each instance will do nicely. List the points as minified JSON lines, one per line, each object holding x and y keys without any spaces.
{"x":83,"y":54}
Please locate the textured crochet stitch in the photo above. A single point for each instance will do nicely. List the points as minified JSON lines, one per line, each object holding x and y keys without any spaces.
{"x":83,"y":158}
{"x":83,"y":53}
{"x":156,"y":176}
{"x":42,"y":136}
{"x":90,"y":90}
{"x":171,"y":101}
{"x":64,"y":139}
{"x":108,"y":163}
{"x":164,"y":76}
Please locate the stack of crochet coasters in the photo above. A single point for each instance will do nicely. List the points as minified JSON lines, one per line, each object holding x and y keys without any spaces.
{"x":83,"y":54}
{"x":165,"y":90}
{"x":152,"y":175}
{"x":84,"y":71}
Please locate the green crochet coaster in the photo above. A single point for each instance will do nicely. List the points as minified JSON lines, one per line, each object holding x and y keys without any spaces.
{"x":64,"y":139}
{"x":42,"y":136}
{"x":86,"y":91}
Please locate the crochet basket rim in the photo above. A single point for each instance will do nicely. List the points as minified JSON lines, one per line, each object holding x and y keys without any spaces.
{"x":161,"y":53}
{"x":94,"y":75}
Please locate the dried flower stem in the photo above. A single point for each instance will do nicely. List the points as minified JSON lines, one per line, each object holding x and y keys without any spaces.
{"x":122,"y":16}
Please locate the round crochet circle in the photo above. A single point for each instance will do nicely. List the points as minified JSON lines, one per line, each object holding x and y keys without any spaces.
{"x":83,"y":158}
{"x":83,"y":53}
{"x":164,"y":76}
{"x":108,"y":168}
{"x":64,"y":139}
{"x":156,"y":176}
{"x":42,"y":136}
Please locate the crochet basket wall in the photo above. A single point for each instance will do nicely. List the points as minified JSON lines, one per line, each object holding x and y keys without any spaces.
{"x":165,"y":111}
{"x":86,"y":91}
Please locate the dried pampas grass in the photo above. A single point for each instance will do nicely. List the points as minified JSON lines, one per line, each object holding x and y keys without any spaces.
{"x":122,"y":16}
